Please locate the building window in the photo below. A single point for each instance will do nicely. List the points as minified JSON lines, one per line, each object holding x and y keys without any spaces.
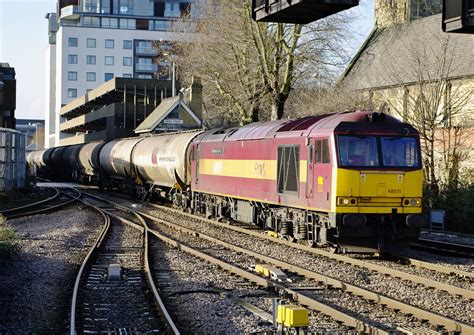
{"x":124,"y":7}
{"x":145,"y":76}
{"x":159,"y":25}
{"x":90,"y":6}
{"x":72,"y":93}
{"x":91,"y":43}
{"x":127,"y":24}
{"x":72,"y":59}
{"x":72,"y":42}
{"x":127,"y":44}
{"x":109,"y":22}
{"x":109,"y":76}
{"x":127,"y":61}
{"x":72,"y":76}
{"x":91,"y":21}
{"x":90,"y":76}
{"x":90,"y":60}
{"x":127,"y":75}
{"x":109,"y":44}
{"x":109,"y":60}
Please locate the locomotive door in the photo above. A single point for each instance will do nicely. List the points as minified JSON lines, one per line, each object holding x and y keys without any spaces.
{"x":322,"y":174}
{"x":310,"y":170}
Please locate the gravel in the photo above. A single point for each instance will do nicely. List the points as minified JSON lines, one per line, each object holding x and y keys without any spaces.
{"x":418,"y":295}
{"x":201,"y":297}
{"x":36,"y":288}
{"x":118,"y":304}
{"x":448,"y":237}
{"x":360,"y":308}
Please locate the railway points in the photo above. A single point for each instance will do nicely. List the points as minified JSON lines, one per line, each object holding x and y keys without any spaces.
{"x":143,"y":208}
{"x":61,"y":198}
{"x":436,"y":318}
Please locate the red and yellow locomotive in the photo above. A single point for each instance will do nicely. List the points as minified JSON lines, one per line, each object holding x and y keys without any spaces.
{"x":352,"y":180}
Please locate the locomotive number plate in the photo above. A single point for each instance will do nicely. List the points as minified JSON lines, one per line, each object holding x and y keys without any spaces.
{"x":394,"y":191}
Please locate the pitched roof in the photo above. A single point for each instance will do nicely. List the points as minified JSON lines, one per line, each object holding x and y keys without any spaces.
{"x":389,"y":55}
{"x":159,"y":114}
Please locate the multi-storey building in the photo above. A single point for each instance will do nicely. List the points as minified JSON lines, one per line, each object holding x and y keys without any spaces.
{"x":93,"y":41}
{"x":7,"y":96}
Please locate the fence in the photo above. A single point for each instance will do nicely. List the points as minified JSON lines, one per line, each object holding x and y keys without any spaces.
{"x":12,"y":160}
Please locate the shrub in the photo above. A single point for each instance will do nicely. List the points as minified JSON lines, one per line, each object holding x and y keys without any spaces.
{"x":459,"y":206}
{"x":9,"y":246}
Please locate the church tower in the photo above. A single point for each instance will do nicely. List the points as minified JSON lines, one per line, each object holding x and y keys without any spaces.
{"x":392,"y":12}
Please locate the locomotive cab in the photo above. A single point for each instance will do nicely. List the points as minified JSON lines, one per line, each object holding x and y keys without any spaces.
{"x":378,"y":195}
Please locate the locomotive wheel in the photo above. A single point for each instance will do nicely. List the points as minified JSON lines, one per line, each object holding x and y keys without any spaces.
{"x":334,"y":249}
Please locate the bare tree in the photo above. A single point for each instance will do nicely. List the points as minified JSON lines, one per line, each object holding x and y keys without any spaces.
{"x":433,"y":103}
{"x":253,"y":67}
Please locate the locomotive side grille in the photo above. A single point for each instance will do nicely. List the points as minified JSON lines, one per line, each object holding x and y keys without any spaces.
{"x":288,"y":169}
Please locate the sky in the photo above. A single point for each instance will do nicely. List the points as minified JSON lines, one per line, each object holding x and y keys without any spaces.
{"x":24,"y":39}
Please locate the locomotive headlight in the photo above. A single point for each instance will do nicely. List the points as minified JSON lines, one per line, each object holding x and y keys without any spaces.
{"x":412,"y":202}
{"x":341,"y":201}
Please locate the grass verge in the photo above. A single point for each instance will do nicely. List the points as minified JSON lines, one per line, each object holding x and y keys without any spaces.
{"x":9,"y":246}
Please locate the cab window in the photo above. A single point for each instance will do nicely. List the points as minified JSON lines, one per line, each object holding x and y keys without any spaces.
{"x":358,"y":151}
{"x":322,"y":152}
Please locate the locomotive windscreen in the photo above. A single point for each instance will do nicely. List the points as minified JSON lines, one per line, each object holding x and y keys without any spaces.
{"x":378,"y":151}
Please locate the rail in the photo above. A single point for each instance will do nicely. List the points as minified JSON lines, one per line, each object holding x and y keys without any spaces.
{"x":96,"y":245}
{"x":43,"y":206}
{"x":446,"y":248}
{"x":144,"y":228}
{"x":420,"y":313}
{"x":348,"y":260}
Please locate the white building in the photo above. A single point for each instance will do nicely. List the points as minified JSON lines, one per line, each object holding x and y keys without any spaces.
{"x":92,"y":41}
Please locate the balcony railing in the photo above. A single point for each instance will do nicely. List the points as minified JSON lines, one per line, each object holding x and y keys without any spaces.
{"x":146,"y":67}
{"x":70,"y":12}
{"x":144,"y":51}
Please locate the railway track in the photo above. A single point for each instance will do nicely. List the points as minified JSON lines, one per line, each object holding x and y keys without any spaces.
{"x":359,"y":322}
{"x":61,"y":198}
{"x":325,"y":285}
{"x":355,"y":261}
{"x":444,"y":248}
{"x":114,"y":292}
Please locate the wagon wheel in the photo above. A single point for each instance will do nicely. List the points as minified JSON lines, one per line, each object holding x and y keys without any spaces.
{"x":334,"y":249}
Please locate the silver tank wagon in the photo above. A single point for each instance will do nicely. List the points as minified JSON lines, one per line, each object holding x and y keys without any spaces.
{"x":157,"y":158}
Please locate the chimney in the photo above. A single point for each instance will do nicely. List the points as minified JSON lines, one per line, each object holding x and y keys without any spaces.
{"x":195,"y":97}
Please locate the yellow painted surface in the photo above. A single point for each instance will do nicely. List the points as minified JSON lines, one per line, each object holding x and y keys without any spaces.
{"x":391,"y":184}
{"x":296,"y":316}
{"x":378,"y":210}
{"x":245,"y":168}
{"x":281,"y":313}
{"x":377,"y":191}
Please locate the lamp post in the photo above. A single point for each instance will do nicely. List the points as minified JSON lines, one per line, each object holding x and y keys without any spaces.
{"x":173,"y":72}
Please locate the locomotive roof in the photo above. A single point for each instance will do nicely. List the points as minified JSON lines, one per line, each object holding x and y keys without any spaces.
{"x":344,"y":122}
